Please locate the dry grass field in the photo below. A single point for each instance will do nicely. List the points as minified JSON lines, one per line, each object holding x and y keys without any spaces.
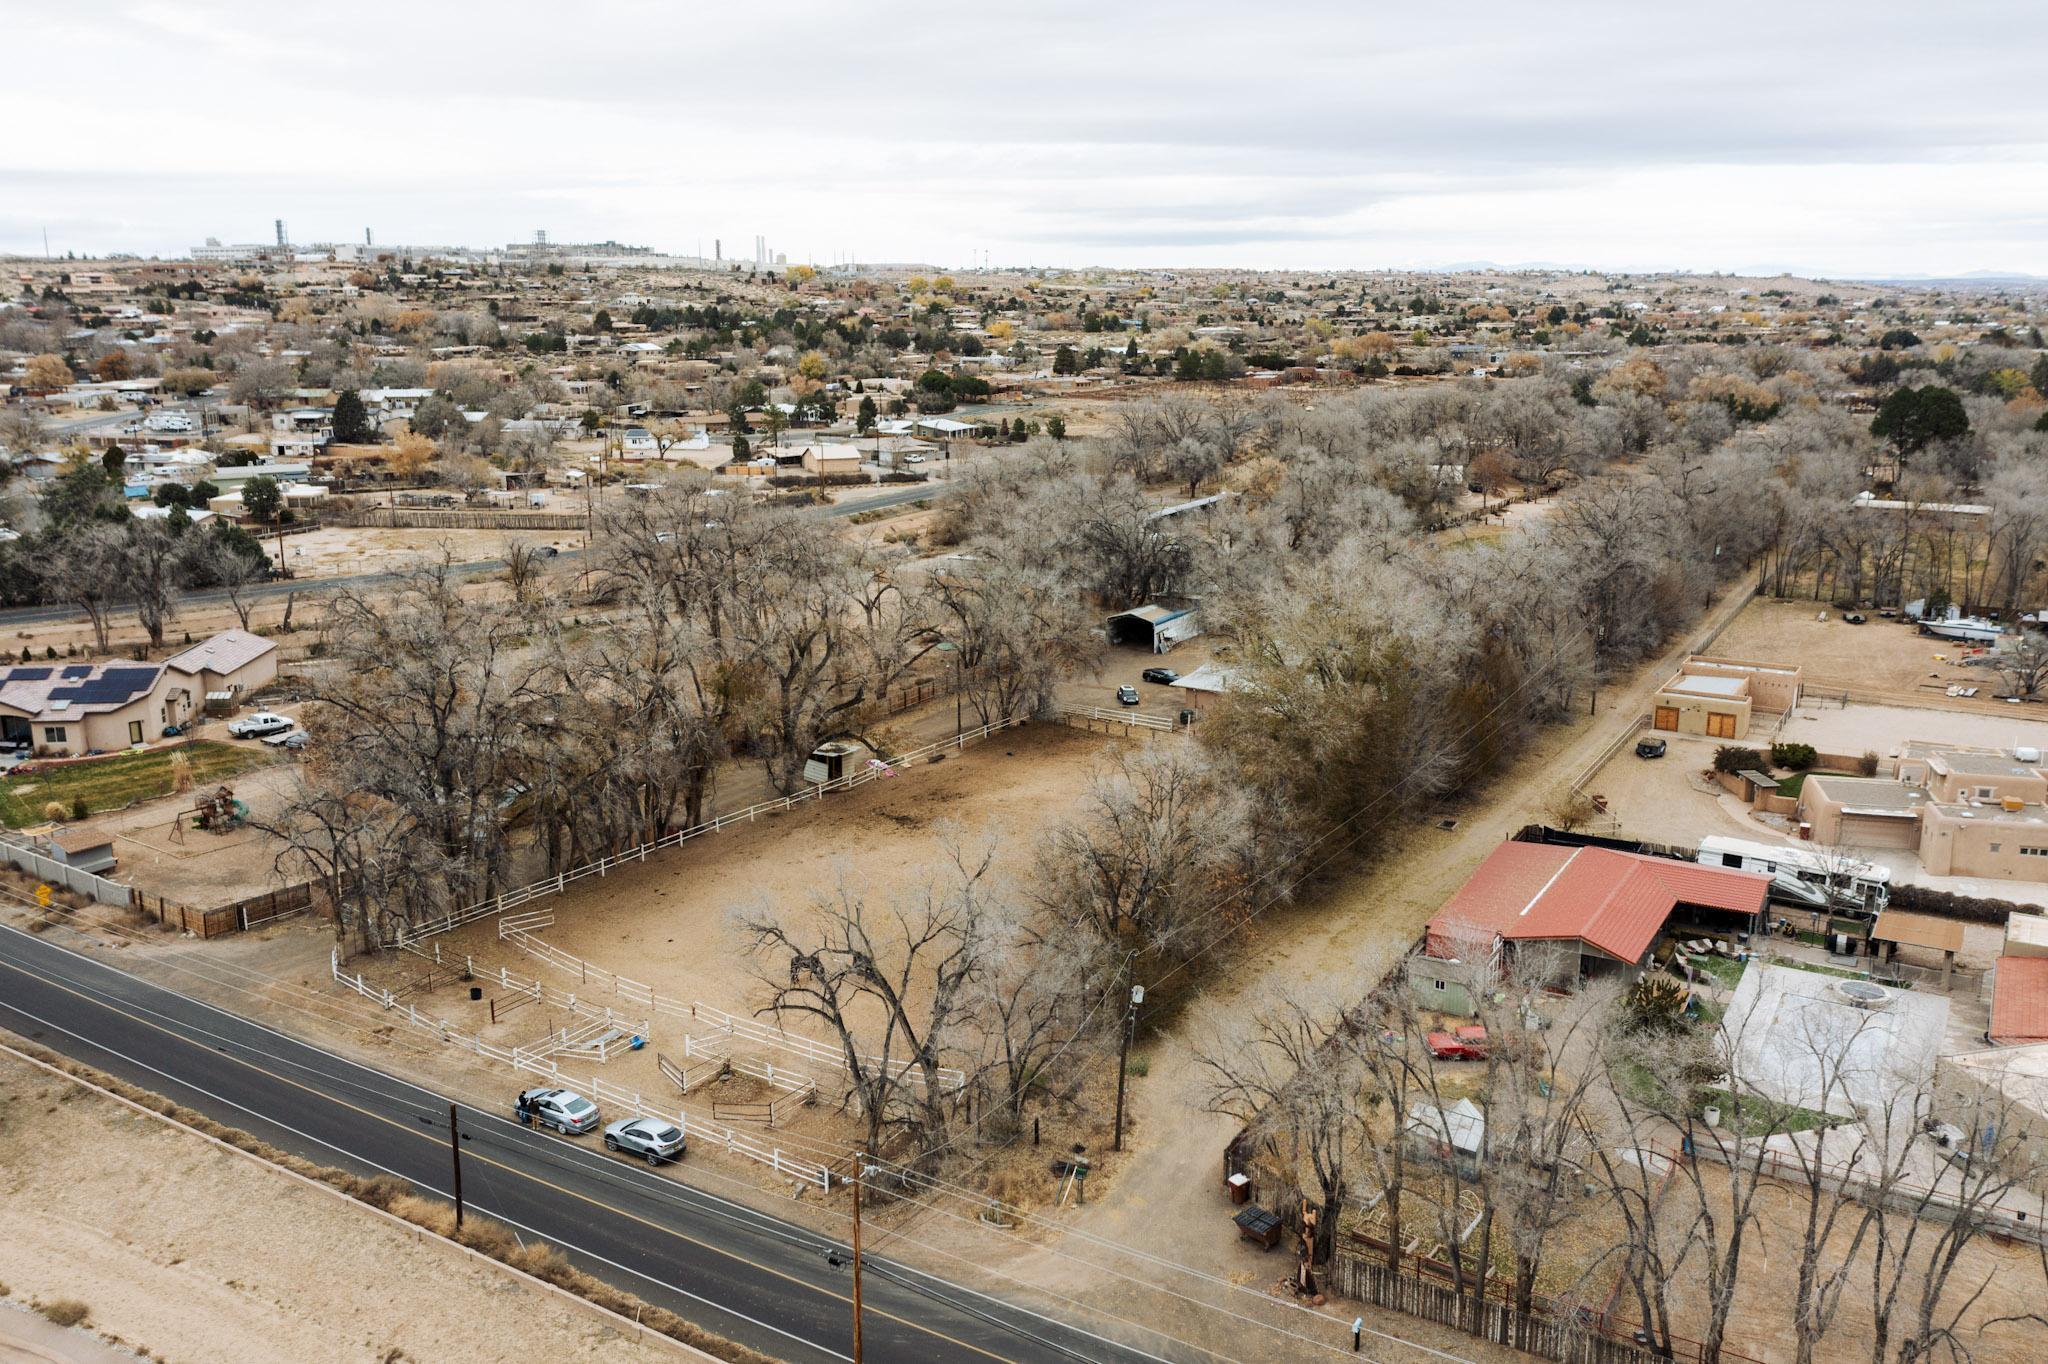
{"x":189,"y":1252}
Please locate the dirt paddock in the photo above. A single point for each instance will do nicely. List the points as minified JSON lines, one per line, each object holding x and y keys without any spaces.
{"x":666,"y":922}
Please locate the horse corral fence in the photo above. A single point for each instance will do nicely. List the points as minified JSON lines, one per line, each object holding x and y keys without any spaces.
{"x":554,"y":885}
{"x":805,"y":1169}
{"x":517,"y":929}
{"x":1090,"y":716}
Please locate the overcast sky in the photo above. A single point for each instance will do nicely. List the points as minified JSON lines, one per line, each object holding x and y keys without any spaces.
{"x":1828,"y":137}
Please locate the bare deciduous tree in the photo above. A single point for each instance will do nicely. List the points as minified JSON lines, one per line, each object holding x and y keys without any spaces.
{"x":890,"y":982}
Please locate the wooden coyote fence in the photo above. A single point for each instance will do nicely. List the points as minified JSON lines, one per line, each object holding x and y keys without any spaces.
{"x":200,"y":923}
{"x":477,"y":518}
{"x":277,"y":904}
{"x":1568,"y":1337}
{"x":554,"y":885}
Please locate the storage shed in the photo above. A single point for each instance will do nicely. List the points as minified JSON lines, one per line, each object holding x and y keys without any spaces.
{"x":1154,"y":627}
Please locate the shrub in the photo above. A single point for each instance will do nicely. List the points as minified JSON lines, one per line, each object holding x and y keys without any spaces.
{"x":54,"y":811}
{"x":1798,"y":757}
{"x":1731,"y":758}
{"x":66,"y":1311}
{"x":1976,"y":909}
{"x":79,"y":809}
{"x":1656,"y":1004}
{"x":1867,"y":764}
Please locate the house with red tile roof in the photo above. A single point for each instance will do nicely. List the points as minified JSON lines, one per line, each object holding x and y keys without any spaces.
{"x":2019,"y":1001}
{"x":2019,"y":983}
{"x":1610,"y":905}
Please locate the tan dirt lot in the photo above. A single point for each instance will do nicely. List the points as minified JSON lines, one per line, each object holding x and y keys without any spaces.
{"x":193,"y":1253}
{"x":664,"y":922}
{"x":1760,"y":1328}
{"x":1886,"y":656}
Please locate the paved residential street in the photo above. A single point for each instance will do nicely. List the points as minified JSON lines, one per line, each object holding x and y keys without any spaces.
{"x":42,"y":615}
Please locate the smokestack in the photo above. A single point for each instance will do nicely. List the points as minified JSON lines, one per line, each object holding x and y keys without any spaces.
{"x":717,"y":250}
{"x":368,"y":240}
{"x":280,"y":232}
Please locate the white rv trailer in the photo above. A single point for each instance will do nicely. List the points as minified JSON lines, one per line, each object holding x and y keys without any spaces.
{"x":1802,"y":876}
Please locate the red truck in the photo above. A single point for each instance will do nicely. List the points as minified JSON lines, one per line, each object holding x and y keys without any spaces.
{"x":1464,"y":1044}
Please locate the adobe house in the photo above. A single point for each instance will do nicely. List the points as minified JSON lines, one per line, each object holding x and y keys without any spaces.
{"x":1717,"y":697}
{"x":1965,"y":811}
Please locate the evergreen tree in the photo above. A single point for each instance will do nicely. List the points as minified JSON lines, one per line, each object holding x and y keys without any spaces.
{"x":1914,"y":418}
{"x":352,"y":420}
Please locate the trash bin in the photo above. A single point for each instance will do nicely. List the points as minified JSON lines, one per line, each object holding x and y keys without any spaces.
{"x":1240,"y":1188}
{"x":476,"y":992}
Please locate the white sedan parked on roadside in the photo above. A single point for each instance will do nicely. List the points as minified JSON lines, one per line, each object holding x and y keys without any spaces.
{"x":652,"y":1139}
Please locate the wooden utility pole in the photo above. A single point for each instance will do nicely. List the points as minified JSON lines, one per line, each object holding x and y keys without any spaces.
{"x":455,"y":1153}
{"x":1123,"y":1055}
{"x":858,"y":1162}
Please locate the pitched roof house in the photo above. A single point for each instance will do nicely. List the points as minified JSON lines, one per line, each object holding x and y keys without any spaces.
{"x":1611,"y":904}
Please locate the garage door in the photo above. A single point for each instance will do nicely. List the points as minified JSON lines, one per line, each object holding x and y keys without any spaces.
{"x":1879,"y":831}
{"x":1666,"y":717}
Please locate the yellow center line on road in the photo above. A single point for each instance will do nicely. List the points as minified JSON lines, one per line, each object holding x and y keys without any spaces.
{"x":414,"y":1132}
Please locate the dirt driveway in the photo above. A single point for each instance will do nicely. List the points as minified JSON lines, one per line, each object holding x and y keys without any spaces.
{"x":1170,"y":1198}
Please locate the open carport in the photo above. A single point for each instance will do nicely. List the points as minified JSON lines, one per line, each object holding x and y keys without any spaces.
{"x":1153,"y":627}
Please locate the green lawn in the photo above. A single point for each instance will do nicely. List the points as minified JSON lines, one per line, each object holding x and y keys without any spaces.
{"x":113,"y":782}
{"x":1820,"y":970}
{"x":1760,"y":1117}
{"x":1724,"y":970}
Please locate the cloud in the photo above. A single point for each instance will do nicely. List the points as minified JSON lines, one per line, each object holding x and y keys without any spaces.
{"x":1315,"y":133}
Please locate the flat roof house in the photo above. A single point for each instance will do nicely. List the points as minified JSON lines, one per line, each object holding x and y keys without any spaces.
{"x":1717,"y":697}
{"x":831,"y":459}
{"x":1608,"y":906}
{"x":1965,"y":811}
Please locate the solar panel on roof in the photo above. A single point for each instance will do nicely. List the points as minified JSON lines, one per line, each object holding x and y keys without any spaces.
{"x":77,"y":670}
{"x":29,"y":674}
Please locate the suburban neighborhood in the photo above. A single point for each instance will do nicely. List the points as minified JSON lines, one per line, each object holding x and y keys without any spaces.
{"x":1391,"y":726}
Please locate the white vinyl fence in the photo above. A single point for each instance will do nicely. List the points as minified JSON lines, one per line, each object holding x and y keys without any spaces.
{"x":700,"y":1131}
{"x":1129,"y":719}
{"x":517,"y":929}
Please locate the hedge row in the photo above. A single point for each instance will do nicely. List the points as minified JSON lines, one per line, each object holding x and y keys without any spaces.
{"x":1947,"y":905}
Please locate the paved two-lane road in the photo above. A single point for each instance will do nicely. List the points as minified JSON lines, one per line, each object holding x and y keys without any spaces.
{"x":742,"y":1274}
{"x":44,"y":615}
